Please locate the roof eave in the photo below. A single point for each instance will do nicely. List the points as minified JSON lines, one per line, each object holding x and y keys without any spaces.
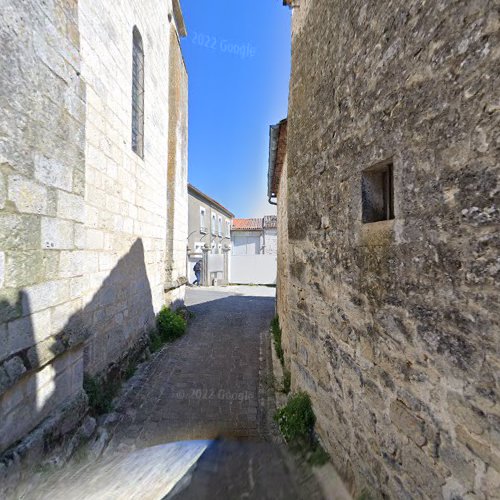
{"x":195,"y":190}
{"x":179,"y":18}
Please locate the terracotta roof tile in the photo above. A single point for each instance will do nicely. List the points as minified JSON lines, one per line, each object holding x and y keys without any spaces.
{"x":247,"y":224}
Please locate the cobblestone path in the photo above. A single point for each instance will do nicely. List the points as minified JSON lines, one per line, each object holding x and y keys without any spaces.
{"x":206,"y":384}
{"x":213,"y":383}
{"x":206,"y":399}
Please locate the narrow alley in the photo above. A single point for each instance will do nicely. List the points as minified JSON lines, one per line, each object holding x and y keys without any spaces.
{"x":210,"y":393}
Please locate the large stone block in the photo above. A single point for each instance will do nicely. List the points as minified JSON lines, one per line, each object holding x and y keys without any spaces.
{"x":70,"y":206}
{"x":44,"y":295}
{"x":19,"y":232}
{"x":24,"y":268}
{"x":77,"y":263}
{"x":408,"y":423}
{"x":28,"y":331}
{"x":57,"y":234}
{"x":53,"y":173}
{"x":27,"y":195}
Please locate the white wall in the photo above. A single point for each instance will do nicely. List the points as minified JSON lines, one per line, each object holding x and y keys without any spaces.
{"x":253,"y":269}
{"x":271,"y":241}
{"x":246,"y":242}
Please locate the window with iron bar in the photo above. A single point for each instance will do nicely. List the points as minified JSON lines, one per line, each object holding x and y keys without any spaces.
{"x":137,"y":94}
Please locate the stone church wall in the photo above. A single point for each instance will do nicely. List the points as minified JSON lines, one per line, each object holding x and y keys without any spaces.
{"x":83,"y":219}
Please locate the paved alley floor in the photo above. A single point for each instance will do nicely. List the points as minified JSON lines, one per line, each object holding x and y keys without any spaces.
{"x":211,"y":388}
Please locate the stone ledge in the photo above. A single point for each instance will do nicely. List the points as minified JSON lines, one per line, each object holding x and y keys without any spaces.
{"x":173,"y":285}
{"x":56,"y":432}
{"x":38,"y":355}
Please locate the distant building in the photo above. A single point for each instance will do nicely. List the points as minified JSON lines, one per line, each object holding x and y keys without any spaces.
{"x":255,"y":236}
{"x":209,"y":223}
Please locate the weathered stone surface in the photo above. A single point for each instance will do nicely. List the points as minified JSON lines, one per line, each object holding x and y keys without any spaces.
{"x":19,"y":232}
{"x":3,"y":191}
{"x":23,"y":332}
{"x":403,"y":313}
{"x":2,"y":269}
{"x":57,"y":234}
{"x":53,"y":173}
{"x":28,"y":196}
{"x":70,"y":206}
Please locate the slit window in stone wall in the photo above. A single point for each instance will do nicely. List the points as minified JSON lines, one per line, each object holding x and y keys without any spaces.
{"x":377,"y":191}
{"x":137,"y":94}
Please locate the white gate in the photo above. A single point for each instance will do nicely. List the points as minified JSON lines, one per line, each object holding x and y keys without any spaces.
{"x":253,"y":269}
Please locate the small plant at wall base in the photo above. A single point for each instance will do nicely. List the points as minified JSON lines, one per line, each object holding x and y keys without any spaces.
{"x":171,"y":325}
{"x":276,"y":331}
{"x":296,"y":423}
{"x":100,"y":394}
{"x":287,"y":380}
{"x":155,"y":342}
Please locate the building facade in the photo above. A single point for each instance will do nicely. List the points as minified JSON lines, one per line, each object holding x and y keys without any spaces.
{"x":254,"y":236}
{"x":209,"y":224}
{"x":93,"y":193}
{"x":389,"y":197}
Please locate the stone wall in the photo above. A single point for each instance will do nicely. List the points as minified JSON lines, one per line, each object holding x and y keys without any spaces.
{"x":42,"y":187}
{"x":83,"y":219}
{"x":282,"y":279}
{"x":393,"y":326}
{"x":270,"y":241}
{"x":177,"y":173}
{"x":126,"y":196}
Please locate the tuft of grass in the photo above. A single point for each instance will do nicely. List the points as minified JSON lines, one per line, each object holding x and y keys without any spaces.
{"x":170,"y":324}
{"x":296,"y":423}
{"x":296,"y":419}
{"x":100,"y":394}
{"x":287,"y":380}
{"x":276,"y":332}
{"x":155,"y":342}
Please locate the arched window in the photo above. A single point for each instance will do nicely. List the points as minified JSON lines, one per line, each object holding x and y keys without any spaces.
{"x":137,"y":94}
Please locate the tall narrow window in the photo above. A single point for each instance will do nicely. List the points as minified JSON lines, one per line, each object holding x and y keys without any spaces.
{"x":203,"y":227}
{"x":137,"y":94}
{"x":214,"y":224}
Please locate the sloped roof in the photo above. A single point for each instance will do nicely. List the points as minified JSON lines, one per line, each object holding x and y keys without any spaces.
{"x":195,"y":191}
{"x":247,"y":224}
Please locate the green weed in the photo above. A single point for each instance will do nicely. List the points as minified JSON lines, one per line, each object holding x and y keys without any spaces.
{"x":296,"y":419}
{"x":296,"y":422}
{"x":287,"y":380}
{"x":276,"y":332}
{"x":100,"y":394}
{"x":171,"y":325}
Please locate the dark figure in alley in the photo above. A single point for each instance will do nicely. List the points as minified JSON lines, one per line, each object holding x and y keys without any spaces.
{"x":197,"y":272}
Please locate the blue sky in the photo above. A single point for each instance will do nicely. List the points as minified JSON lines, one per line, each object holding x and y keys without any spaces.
{"x":238,"y":59}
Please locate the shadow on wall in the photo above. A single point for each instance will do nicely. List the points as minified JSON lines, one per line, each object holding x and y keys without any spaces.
{"x":42,"y":365}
